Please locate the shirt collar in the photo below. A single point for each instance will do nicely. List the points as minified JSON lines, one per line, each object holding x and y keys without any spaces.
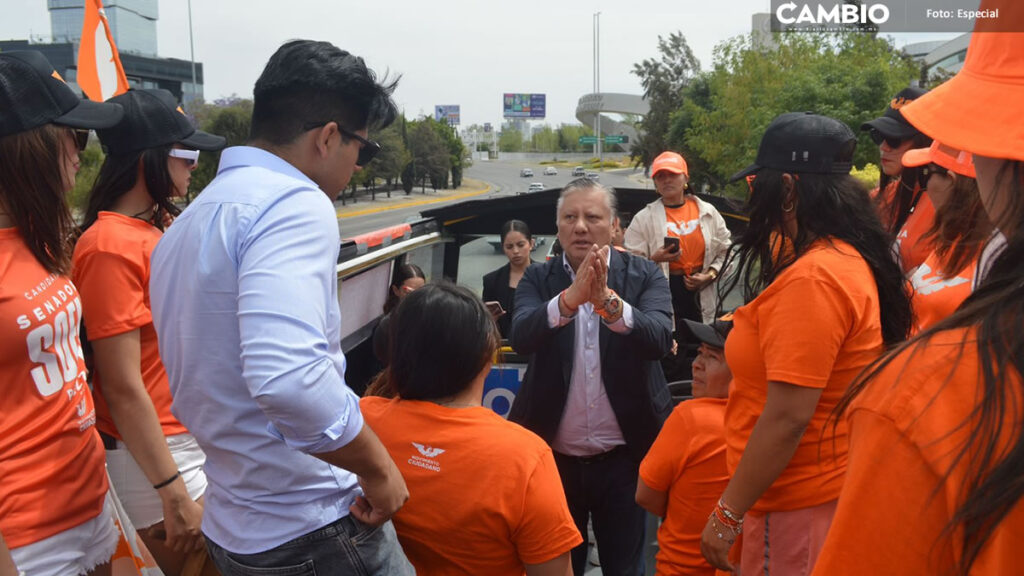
{"x":242,"y":156}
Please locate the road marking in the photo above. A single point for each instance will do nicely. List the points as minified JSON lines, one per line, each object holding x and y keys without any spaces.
{"x":413,"y":204}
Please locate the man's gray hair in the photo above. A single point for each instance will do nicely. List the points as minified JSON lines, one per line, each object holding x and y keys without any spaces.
{"x":584,"y":184}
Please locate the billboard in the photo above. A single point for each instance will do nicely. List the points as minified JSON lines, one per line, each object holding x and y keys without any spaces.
{"x":524,"y":105}
{"x":447,"y":113}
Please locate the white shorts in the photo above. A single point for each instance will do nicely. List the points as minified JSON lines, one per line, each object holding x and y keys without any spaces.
{"x":74,"y":551}
{"x":140,"y":500}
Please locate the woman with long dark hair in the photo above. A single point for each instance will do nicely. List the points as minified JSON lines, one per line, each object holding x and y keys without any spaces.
{"x":154,"y":463}
{"x":961,"y":228}
{"x":937,"y":426}
{"x":500,"y":285}
{"x":901,"y":197}
{"x":824,"y":297}
{"x":488,"y":496}
{"x":55,"y":512}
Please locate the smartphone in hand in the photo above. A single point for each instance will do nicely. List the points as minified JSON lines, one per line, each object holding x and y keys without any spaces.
{"x":494,"y":307}
{"x":672,"y":244}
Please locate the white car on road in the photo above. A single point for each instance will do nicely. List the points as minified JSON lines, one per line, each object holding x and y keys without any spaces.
{"x":551,"y":171}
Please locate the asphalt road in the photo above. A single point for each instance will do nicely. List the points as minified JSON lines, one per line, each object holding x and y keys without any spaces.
{"x":502,"y":175}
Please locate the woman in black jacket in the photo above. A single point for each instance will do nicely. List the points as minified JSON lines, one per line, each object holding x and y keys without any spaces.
{"x":500,"y":285}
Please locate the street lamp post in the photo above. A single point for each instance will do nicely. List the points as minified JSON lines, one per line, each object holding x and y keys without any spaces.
{"x":192,"y":49}
{"x":599,"y":151}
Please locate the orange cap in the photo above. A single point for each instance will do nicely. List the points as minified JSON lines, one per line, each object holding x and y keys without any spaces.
{"x":670,"y":161}
{"x":949,"y":158}
{"x":978,"y":109}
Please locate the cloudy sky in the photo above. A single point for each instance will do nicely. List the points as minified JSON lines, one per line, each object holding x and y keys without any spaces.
{"x":464,"y":52}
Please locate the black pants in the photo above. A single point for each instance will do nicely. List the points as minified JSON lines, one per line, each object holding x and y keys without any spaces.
{"x":603,"y":488}
{"x":685,"y":305}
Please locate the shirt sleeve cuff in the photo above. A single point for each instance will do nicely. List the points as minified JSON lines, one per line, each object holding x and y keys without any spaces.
{"x":337,"y":435}
{"x":624,"y":325}
{"x":555,"y":318}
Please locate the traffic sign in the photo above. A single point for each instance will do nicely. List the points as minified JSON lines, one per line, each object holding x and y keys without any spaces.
{"x":615,"y":139}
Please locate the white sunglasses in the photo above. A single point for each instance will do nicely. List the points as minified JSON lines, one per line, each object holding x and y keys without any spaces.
{"x":191,"y":157}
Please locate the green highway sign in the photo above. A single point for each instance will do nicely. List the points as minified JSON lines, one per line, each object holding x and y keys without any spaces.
{"x":618,"y":139}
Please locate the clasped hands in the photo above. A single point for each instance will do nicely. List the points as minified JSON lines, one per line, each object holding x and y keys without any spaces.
{"x":590,"y":284}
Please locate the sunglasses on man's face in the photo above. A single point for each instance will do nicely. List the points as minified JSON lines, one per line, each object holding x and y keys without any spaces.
{"x":191,"y":157}
{"x":80,"y":136}
{"x":877,"y":137}
{"x":368,"y":149}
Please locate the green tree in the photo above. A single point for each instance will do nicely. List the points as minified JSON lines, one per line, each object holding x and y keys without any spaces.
{"x":230,"y":118}
{"x":569,"y":137}
{"x":544,"y":140}
{"x":392,"y":158}
{"x":663,"y":80}
{"x":430,"y":158}
{"x":456,"y":153}
{"x":90,"y":161}
{"x":850,"y":77}
{"x":510,"y":141}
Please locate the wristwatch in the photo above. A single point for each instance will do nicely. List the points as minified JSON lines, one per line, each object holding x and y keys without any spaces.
{"x":713,"y":273}
{"x":612,"y":307}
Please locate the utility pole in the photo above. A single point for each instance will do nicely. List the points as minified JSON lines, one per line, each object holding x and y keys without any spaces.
{"x":599,"y":149}
{"x":192,"y":49}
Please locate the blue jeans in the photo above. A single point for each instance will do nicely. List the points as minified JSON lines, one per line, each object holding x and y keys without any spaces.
{"x":344,"y":547}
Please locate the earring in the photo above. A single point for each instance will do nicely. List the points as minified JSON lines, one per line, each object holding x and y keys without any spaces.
{"x":792,"y":205}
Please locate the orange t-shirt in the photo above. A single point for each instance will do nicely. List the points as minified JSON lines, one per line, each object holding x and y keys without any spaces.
{"x":52,"y":474}
{"x":687,"y":461}
{"x":484,"y":493}
{"x":111,"y":269}
{"x":683,"y":222}
{"x":934,"y":297}
{"x":911,"y":249}
{"x":905,"y":429}
{"x":817,"y":325}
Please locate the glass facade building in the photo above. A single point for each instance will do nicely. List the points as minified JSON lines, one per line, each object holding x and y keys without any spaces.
{"x":132,"y":23}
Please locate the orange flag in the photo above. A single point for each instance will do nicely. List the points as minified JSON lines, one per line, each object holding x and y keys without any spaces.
{"x":100,"y":74}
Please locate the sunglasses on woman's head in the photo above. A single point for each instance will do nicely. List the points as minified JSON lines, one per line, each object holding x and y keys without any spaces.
{"x":191,"y":157}
{"x":877,"y":137}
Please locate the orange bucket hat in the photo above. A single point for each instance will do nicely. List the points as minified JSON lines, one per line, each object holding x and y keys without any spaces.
{"x":949,"y":158}
{"x":978,"y":110}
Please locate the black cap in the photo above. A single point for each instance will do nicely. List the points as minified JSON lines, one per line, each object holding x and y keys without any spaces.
{"x":806,"y":143}
{"x":32,"y":94}
{"x":892,"y":124}
{"x":713,"y":334}
{"x":153,"y":118}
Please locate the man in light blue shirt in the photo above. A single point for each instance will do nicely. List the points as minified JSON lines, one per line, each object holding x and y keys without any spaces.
{"x":245,"y":304}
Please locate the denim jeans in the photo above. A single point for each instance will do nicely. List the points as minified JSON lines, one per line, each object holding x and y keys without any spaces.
{"x":345,"y":547}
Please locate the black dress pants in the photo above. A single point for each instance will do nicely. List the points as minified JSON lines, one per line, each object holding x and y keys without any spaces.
{"x":602,"y":488}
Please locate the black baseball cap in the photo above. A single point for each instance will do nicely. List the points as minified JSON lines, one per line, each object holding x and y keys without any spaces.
{"x":713,"y":334}
{"x":804,"y":143}
{"x":892,"y":124}
{"x":153,"y":118}
{"x":33,"y":94}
